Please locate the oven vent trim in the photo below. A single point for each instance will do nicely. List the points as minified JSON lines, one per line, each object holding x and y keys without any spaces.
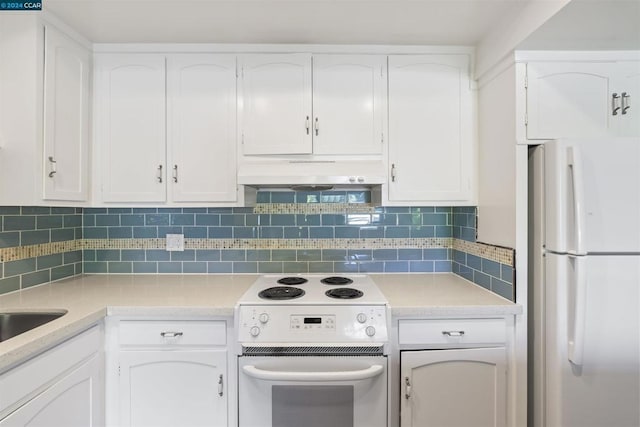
{"x":313,"y":351}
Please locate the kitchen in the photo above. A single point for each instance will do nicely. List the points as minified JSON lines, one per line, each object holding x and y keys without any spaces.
{"x":380,"y":225}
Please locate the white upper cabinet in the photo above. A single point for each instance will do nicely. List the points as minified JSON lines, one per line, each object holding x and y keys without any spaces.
{"x":201,"y":95}
{"x":431,"y":132}
{"x":130,"y":123}
{"x":338,"y":111}
{"x":275,"y":104}
{"x":582,"y":99}
{"x":66,"y":118}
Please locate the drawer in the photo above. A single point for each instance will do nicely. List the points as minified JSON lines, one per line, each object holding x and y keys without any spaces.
{"x":452,"y":331}
{"x":172,"y":333}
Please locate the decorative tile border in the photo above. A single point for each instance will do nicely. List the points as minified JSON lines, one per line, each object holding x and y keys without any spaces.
{"x":23,"y":252}
{"x":313,"y":208}
{"x":493,"y":253}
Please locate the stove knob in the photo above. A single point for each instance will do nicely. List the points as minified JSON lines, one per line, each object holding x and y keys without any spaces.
{"x":254,"y":331}
{"x":361,"y":317}
{"x":264,"y":317}
{"x":371,"y":331}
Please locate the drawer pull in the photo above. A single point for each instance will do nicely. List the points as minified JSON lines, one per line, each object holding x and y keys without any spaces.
{"x":453,"y":333}
{"x":171,"y":334}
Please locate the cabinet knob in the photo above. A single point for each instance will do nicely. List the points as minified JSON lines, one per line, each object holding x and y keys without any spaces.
{"x":407,"y":388}
{"x":175,"y":173}
{"x":453,"y":333}
{"x":625,"y":102}
{"x":171,"y":334}
{"x":254,"y":331}
{"x":615,"y":101}
{"x":159,"y":177}
{"x":53,"y":167}
{"x":317,"y":126}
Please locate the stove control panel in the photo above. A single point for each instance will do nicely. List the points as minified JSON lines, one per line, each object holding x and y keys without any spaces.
{"x":316,"y":323}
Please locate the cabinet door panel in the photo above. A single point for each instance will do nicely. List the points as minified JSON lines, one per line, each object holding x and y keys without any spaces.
{"x":430,"y":129}
{"x":202,"y":127}
{"x":66,"y":117}
{"x":172,"y":388}
{"x":276,"y":104}
{"x":131,"y":127}
{"x":453,"y":388}
{"x":348,"y":94}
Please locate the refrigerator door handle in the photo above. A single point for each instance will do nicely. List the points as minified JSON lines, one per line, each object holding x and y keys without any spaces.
{"x":575,"y":168}
{"x":576,"y":337}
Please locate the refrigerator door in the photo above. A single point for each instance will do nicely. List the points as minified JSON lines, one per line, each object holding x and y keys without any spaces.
{"x":592,"y":195}
{"x":592,"y":317}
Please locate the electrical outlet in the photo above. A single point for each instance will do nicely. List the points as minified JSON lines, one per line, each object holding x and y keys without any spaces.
{"x":175,"y":242}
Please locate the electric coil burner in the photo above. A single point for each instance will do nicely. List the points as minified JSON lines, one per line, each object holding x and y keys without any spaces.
{"x":344,"y":293}
{"x":292,"y":281}
{"x":336,"y":280}
{"x":281,"y":293}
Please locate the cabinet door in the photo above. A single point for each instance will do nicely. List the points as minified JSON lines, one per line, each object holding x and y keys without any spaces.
{"x":73,"y":401}
{"x":568,"y":99}
{"x":66,"y":117}
{"x":430,"y":129}
{"x":130,"y":103}
{"x":627,"y":82}
{"x":201,"y":95}
{"x":453,"y":388}
{"x":173,"y":388}
{"x":348,"y":94}
{"x":275,"y":104}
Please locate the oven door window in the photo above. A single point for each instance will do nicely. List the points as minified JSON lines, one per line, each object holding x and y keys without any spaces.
{"x":291,"y":404}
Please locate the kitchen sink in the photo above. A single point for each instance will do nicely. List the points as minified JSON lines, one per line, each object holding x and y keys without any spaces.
{"x":16,"y":323}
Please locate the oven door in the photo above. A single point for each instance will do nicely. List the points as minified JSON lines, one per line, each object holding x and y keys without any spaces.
{"x":312,"y":391}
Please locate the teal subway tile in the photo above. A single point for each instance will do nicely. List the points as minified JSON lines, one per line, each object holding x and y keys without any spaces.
{"x":144,"y":210}
{"x":254,"y":220}
{"x":137,"y":219}
{"x":89,"y":255}
{"x":333,"y":219}
{"x":18,"y":223}
{"x":170,"y":267}
{"x":359,"y":197}
{"x":245,"y":267}
{"x":72,"y":257}
{"x":435,"y":254}
{"x":296,"y":232}
{"x":334,"y":255}
{"x":421,"y":209}
{"x":474,"y":262}
{"x":220,"y":232}
{"x":145,"y":267}
{"x":421,"y":266}
{"x":78,"y":233}
{"x":71,"y":221}
{"x":459,"y":257}
{"x":409,"y":254}
{"x":271,"y":232}
{"x":442,"y":266}
{"x":283,"y":197}
{"x":235,"y":220}
{"x":321,"y":232}
{"x":79,"y":268}
{"x":35,"y":278}
{"x":492,"y":268}
{"x":195,"y":232}
{"x":9,"y":285}
{"x":283,"y":254}
{"x":95,"y":232}
{"x":94,"y":211}
{"x":219,"y":267}
{"x":345,"y":267}
{"x":241,"y":210}
{"x":182,"y":219}
{"x":111,"y":211}
{"x":316,"y":197}
{"x":399,"y":210}
{"x":145,"y":232}
{"x":220,"y":210}
{"x":422,"y":231}
{"x":371,"y":267}
{"x":263,"y":197}
{"x":95,"y":267}
{"x":270,"y":267}
{"x":208,"y":255}
{"x":506,"y":273}
{"x":120,"y":267}
{"x":309,"y":254}
{"x":295,"y":267}
{"x":233,"y":255}
{"x":320,"y":267}
{"x":347,"y":232}
{"x":208,"y":219}
{"x":396,"y":266}
{"x":163,"y":231}
{"x":283,"y":219}
{"x":360,"y":254}
{"x":443,"y":231}
{"x":186,"y":255}
{"x":358,"y":219}
{"x":194,"y":210}
{"x":156,"y":219}
{"x":502,"y":288}
{"x":157,"y":255}
{"x":107,"y":220}
{"x":462,"y":271}
{"x":48,"y":261}
{"x":9,"y":239}
{"x":384,"y":219}
{"x":108,"y":255}
{"x":120,"y":232}
{"x":460,"y":220}
{"x":307,"y":220}
{"x":88,"y":220}
{"x":443,"y":209}
{"x":385,"y":254}
{"x":194,"y":267}
{"x":9,"y":210}
{"x":409,"y":219}
{"x":36,"y":210}
{"x":13,"y":268}
{"x":245,"y":232}
{"x":132,"y":255}
{"x":63,"y":271}
{"x":258,"y":255}
{"x":371,"y":232}
{"x":391,"y":232}
{"x":482,"y":279}
{"x":48,"y":222}
{"x":465,"y":209}
{"x":170,"y":210}
{"x":63,"y":234}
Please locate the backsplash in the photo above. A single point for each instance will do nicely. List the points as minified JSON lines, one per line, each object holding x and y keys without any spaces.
{"x":287,"y":232}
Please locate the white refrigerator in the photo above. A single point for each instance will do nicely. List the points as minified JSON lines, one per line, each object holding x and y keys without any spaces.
{"x":584,"y":281}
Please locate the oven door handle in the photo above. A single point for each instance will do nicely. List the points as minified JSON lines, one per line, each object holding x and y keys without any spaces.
{"x":361,"y":374}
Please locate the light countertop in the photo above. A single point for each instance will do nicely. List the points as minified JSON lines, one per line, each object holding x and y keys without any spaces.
{"x":89,"y":298}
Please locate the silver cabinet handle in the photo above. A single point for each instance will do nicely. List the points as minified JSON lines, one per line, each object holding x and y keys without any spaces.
{"x":317,"y":126}
{"x":175,"y":173}
{"x":220,"y":385}
{"x":160,"y":173}
{"x":54,"y":169}
{"x":453,"y":333}
{"x":171,"y":334}
{"x":615,"y":100}
{"x":393,"y":172}
{"x":407,"y":388}
{"x":307,"y":124}
{"x":625,"y":102}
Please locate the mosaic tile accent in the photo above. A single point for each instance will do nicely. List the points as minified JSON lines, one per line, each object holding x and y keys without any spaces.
{"x":312,"y":208}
